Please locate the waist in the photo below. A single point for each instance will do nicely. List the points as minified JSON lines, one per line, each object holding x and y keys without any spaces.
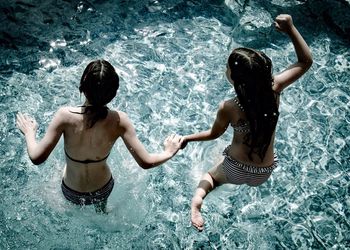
{"x":105,"y":186}
{"x":86,"y":178}
{"x":241,"y":155}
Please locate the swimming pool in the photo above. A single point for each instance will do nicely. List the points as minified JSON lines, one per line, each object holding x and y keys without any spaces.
{"x":171,"y":57}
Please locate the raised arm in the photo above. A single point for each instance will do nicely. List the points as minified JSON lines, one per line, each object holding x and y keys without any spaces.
{"x":284,"y":23}
{"x":143,"y":158}
{"x":39,"y":151}
{"x":219,"y":127}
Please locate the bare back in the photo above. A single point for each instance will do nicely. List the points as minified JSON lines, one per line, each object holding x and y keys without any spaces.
{"x":239,"y":150}
{"x":94,"y":144}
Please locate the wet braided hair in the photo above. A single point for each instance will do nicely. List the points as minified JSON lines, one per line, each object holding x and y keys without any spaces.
{"x":251,"y":72}
{"x":99,"y":83}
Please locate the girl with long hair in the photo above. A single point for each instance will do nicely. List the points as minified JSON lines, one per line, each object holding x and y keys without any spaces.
{"x":253,"y":114}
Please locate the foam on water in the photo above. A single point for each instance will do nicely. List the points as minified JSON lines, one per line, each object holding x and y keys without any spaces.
{"x":171,"y":57}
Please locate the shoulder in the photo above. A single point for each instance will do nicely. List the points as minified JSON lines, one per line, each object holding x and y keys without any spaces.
{"x":60,"y":118}
{"x":125,"y":123}
{"x":67,"y":111}
{"x":277,"y":87}
{"x":226,"y":109}
{"x":67,"y":114}
{"x":227,"y":105}
{"x":63,"y":113}
{"x":64,"y":110}
{"x":122,"y":117}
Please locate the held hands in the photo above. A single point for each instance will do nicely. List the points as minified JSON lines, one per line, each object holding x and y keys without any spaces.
{"x":284,"y":23}
{"x":173,"y":143}
{"x":184,"y":142}
{"x":26,"y":124}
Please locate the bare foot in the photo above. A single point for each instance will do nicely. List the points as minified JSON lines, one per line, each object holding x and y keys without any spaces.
{"x":196,"y":217}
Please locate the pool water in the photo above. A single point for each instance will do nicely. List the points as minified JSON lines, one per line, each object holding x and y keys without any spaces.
{"x":171,"y":57}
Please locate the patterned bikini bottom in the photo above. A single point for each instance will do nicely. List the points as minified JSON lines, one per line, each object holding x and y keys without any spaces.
{"x":240,"y":173}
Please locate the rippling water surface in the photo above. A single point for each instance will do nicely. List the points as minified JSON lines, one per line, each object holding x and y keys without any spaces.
{"x":171,"y":58}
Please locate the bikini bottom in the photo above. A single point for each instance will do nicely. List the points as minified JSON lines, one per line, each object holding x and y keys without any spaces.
{"x":240,"y":173}
{"x":88,"y":198}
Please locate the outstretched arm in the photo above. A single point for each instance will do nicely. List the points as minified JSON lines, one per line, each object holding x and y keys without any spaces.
{"x":143,"y":158}
{"x":219,"y":127}
{"x":39,"y":151}
{"x":284,"y":23}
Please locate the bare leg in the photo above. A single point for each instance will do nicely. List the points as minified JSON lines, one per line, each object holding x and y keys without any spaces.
{"x":206,"y":185}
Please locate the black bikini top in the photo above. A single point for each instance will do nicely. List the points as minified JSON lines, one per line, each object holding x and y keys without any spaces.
{"x":85,"y":161}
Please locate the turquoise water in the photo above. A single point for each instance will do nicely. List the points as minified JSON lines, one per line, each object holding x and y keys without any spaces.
{"x":171,"y":58}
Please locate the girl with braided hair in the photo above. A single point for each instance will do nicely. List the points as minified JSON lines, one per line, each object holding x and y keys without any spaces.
{"x":253,"y":114}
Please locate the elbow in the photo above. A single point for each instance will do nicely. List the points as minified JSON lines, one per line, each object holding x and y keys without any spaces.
{"x":37,"y":160}
{"x":214,"y":136}
{"x":309,"y":63}
{"x":146,"y":163}
{"x":305,"y":65}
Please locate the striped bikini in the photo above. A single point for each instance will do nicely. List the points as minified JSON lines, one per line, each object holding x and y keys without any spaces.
{"x":240,"y":173}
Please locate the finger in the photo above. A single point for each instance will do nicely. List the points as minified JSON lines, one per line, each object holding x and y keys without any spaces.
{"x":277,"y":26}
{"x":19,"y":115}
{"x":281,"y":16}
{"x":182,"y":139}
{"x":19,"y":126}
{"x":177,"y":138}
{"x":28,"y":118}
{"x":20,"y":118}
{"x":278,"y":18}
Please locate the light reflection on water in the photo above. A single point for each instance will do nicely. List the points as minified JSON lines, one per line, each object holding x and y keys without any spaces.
{"x":171,"y":58}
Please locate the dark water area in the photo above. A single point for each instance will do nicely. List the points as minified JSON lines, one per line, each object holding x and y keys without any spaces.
{"x":28,"y":27}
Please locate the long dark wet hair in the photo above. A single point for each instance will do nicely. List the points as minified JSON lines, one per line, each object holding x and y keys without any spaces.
{"x":251,"y":72}
{"x":99,"y":83}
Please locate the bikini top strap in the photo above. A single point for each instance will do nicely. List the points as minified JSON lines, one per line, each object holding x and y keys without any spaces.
{"x":236,"y":101}
{"x":85,"y":161}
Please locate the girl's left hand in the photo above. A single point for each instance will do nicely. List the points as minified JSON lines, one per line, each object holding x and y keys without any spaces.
{"x":184,"y":143}
{"x":173,"y":143}
{"x":26,"y":123}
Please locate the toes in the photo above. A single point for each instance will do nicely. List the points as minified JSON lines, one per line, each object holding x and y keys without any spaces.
{"x":198,"y":227}
{"x":198,"y":223}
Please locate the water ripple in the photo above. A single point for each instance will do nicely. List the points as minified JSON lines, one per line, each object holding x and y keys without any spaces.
{"x":171,"y":58}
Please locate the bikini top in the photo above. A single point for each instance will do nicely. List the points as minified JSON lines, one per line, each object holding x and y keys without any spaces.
{"x":85,"y":161}
{"x":242,"y":126}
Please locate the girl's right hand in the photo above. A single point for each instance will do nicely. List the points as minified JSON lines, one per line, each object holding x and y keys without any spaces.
{"x":173,"y":143}
{"x":26,"y":124}
{"x":284,"y":23}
